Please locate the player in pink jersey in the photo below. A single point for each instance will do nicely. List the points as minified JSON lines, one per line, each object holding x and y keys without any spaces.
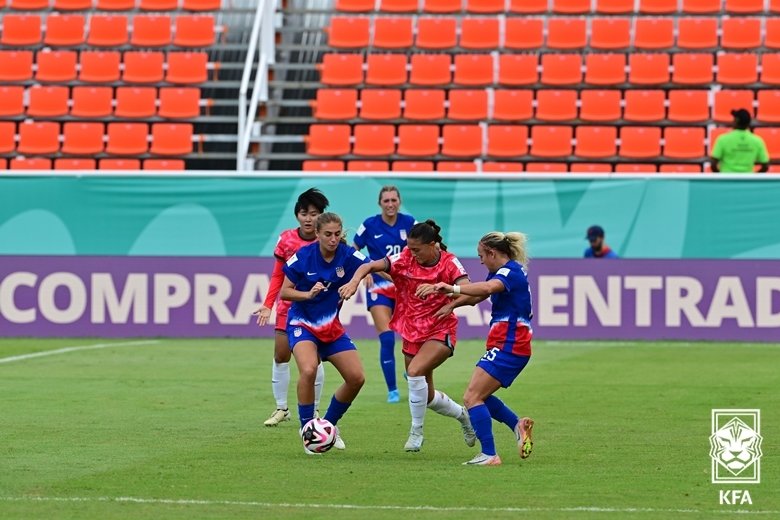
{"x":310,"y":204}
{"x":508,"y":343}
{"x":428,"y":341}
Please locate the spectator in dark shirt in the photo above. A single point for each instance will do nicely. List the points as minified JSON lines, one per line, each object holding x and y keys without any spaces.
{"x":598,"y":249}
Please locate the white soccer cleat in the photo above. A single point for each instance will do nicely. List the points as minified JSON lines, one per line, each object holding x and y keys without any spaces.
{"x":339,"y":443}
{"x":469,"y":435}
{"x":480,"y":459}
{"x":415,"y":440}
{"x":279,"y":416}
{"x":524,"y":436}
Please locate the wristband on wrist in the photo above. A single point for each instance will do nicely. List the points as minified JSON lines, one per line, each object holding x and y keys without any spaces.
{"x":456,"y":289}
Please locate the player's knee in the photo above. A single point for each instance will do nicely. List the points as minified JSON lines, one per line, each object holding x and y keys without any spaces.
{"x":308,"y":372}
{"x":356,"y":381}
{"x":413,"y":371}
{"x":282,"y":357}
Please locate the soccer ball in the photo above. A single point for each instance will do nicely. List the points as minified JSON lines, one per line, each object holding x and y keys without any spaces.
{"x":318,"y":435}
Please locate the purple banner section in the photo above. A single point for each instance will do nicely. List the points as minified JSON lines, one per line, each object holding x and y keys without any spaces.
{"x":215,"y":297}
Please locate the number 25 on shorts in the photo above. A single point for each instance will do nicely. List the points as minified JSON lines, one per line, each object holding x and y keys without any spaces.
{"x":490,"y":355}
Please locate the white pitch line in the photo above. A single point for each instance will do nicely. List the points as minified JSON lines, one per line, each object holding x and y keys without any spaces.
{"x":249,"y":503}
{"x":65,"y":350}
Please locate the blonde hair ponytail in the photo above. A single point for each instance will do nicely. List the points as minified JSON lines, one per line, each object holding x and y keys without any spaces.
{"x":512,"y":244}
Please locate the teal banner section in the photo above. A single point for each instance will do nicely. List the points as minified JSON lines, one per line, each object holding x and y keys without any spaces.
{"x":234,"y":216}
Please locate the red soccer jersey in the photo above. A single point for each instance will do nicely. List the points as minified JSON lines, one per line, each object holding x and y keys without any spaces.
{"x":413,"y":316}
{"x":289,"y":243}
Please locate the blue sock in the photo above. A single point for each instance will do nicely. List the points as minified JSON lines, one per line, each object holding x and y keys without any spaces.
{"x":501,"y":412}
{"x":482,"y":423}
{"x":306,"y":413}
{"x":336,"y":410}
{"x":387,"y":358}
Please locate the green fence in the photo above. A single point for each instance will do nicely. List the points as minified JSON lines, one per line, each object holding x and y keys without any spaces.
{"x":232,"y":216}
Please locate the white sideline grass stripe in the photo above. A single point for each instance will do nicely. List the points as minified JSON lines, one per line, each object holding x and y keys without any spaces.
{"x":249,"y":503}
{"x":65,"y":350}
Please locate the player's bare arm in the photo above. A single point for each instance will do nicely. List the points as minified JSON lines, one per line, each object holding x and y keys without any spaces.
{"x":348,"y":290}
{"x":263,"y":314}
{"x":289,"y":292}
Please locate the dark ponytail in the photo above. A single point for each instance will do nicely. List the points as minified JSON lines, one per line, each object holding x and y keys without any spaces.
{"x":427,"y":232}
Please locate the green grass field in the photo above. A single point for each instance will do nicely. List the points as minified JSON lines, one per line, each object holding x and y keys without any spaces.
{"x":173,"y":429}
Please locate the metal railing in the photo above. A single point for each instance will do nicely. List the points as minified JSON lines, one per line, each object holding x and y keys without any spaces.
{"x":262,"y":52}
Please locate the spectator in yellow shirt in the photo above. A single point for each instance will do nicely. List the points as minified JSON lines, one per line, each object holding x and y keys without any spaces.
{"x":740,"y":150}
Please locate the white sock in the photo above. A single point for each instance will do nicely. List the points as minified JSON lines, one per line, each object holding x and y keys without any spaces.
{"x":444,"y":405}
{"x":280,"y":383}
{"x":418,"y":398}
{"x":319,"y":383}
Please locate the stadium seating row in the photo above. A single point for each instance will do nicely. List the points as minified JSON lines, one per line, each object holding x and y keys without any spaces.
{"x":112,"y":5}
{"x":560,"y":6}
{"x":108,"y":30}
{"x":554,"y":69}
{"x":41,"y":163}
{"x":606,"y":33}
{"x":682,"y":106}
{"x":99,"y":102}
{"x":80,"y":138}
{"x":104,"y":66}
{"x":512,"y":141}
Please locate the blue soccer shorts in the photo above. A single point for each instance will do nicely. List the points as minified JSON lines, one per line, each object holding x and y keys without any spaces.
{"x":325,"y":349}
{"x":503,"y":366}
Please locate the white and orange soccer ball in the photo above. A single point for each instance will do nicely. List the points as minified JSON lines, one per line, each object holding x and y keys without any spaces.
{"x":319,"y":435}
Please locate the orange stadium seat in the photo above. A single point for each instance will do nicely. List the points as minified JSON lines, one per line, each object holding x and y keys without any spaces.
{"x":528,"y":6}
{"x":326,"y":166}
{"x":728,"y":100}
{"x":442,"y":6}
{"x":689,"y":106}
{"x":399,"y":6}
{"x":596,"y":142}
{"x":462,"y":140}
{"x":610,"y":33}
{"x":774,"y":6}
{"x":692,"y":69}
{"x":635,"y":168}
{"x":513,"y":105}
{"x":342,"y":69}
{"x":30,"y":163}
{"x":412,"y":166}
{"x":714,"y":134}
{"x":107,"y":31}
{"x":561,"y":69}
{"x":590,"y":168}
{"x":64,"y":30}
{"x":566,"y":33}
{"x":648,"y":69}
{"x":418,"y":140}
{"x":37,"y":137}
{"x":436,"y":33}
{"x":328,"y":140}
{"x":127,"y":138}
{"x":683,"y":142}
{"x":381,"y":69}
{"x":452,"y":166}
{"x":640,"y":142}
{"x":644,"y":105}
{"x":99,"y":67}
{"x":55,"y":66}
{"x":657,"y":6}
{"x":551,"y":141}
{"x":524,"y":33}
{"x":653,"y":33}
{"x":374,"y":140}
{"x":393,"y":33}
{"x":772,"y":36}
{"x":29,"y":5}
{"x":21,"y":29}
{"x":194,"y":31}
{"x":158,"y":5}
{"x":91,"y":101}
{"x":571,"y":6}
{"x":737,"y":68}
{"x":485,"y":6}
{"x":502,"y":167}
{"x":479,"y":33}
{"x":72,"y":5}
{"x":680,"y":168}
{"x":745,"y":6}
{"x":430,"y":69}
{"x":136,"y":102}
{"x":368,"y":166}
{"x":605,"y":69}
{"x":600,"y":105}
{"x":615,"y":6}
{"x":16,"y":65}
{"x":119,"y":164}
{"x":171,"y":139}
{"x":768,"y":106}
{"x":518,"y":69}
{"x":143,"y":67}
{"x":539,"y":167}
{"x":507,"y":140}
{"x":7,"y":136}
{"x":179,"y":103}
{"x":335,"y":104}
{"x":82,"y":138}
{"x":11,"y":101}
{"x":151,"y":31}
{"x":187,"y":67}
{"x":75,"y":164}
{"x":424,"y":104}
{"x":164,"y":164}
{"x":556,"y":105}
{"x":380,"y":104}
{"x":770,"y":69}
{"x":201,"y":5}
{"x":697,"y":33}
{"x":348,"y":32}
{"x":468,"y":105}
{"x":355,"y":6}
{"x":473,"y":69}
{"x":771,"y":136}
{"x":47,"y":101}
{"x":701,"y":6}
{"x":115,"y":5}
{"x":741,"y":33}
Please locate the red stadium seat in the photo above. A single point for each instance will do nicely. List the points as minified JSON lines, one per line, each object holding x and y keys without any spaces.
{"x":596,"y":142}
{"x":590,"y":168}
{"x":393,"y":33}
{"x":528,"y":6}
{"x":741,"y":33}
{"x":571,"y":6}
{"x":644,"y":106}
{"x":615,"y":6}
{"x":380,"y":104}
{"x":136,"y":102}
{"x":64,"y":30}
{"x":556,"y":105}
{"x":684,"y":143}
{"x":194,"y":31}
{"x":56,"y":66}
{"x":771,"y":136}
{"x":745,"y":6}
{"x":412,"y":166}
{"x":507,"y":140}
{"x":143,"y":67}
{"x":28,"y":5}
{"x":179,"y":103}
{"x":99,"y":67}
{"x":502,"y":167}
{"x":381,"y":69}
{"x":518,"y":69}
{"x":539,"y":167}
{"x":635,"y":168}
{"x":355,"y":6}
{"x":737,"y":68}
{"x":328,"y":140}
{"x":689,"y":106}
{"x":680,"y":168}
{"x":436,"y":33}
{"x":430,"y":69}
{"x":462,"y":140}
{"x":697,"y":33}
{"x":151,"y":31}
{"x":772,"y":37}
{"x":566,"y":33}
{"x":399,"y":6}
{"x":82,"y":138}
{"x":47,"y":101}
{"x":658,"y":6}
{"x":610,"y":33}
{"x":479,"y":33}
{"x":348,"y":32}
{"x":648,"y":69}
{"x":451,"y":166}
{"x":326,"y":166}
{"x":200,"y":5}
{"x":187,"y":67}
{"x":38,"y":138}
{"x":485,"y":6}
{"x":107,"y":31}
{"x":92,"y":102}
{"x":551,"y":141}
{"x":653,"y":33}
{"x":72,"y":5}
{"x":7,"y":136}
{"x":11,"y":101}
{"x":468,"y":105}
{"x":640,"y":142}
{"x":115,"y":5}
{"x":16,"y":65}
{"x":21,"y":29}
{"x":75,"y":164}
{"x":342,"y":69}
{"x":127,"y":139}
{"x":374,"y":140}
{"x":473,"y":69}
{"x":770,"y":69}
{"x":30,"y":163}
{"x":701,"y":6}
{"x":418,"y":140}
{"x":561,"y":69}
{"x":335,"y":104}
{"x":368,"y":166}
{"x":605,"y":69}
{"x":442,"y":6}
{"x":768,"y":106}
{"x":692,"y":69}
{"x":524,"y":33}
{"x":600,"y":105}
{"x":171,"y":139}
{"x":424,"y":104}
{"x":119,"y":164}
{"x":728,"y":100}
{"x":513,"y":105}
{"x":164,"y":164}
